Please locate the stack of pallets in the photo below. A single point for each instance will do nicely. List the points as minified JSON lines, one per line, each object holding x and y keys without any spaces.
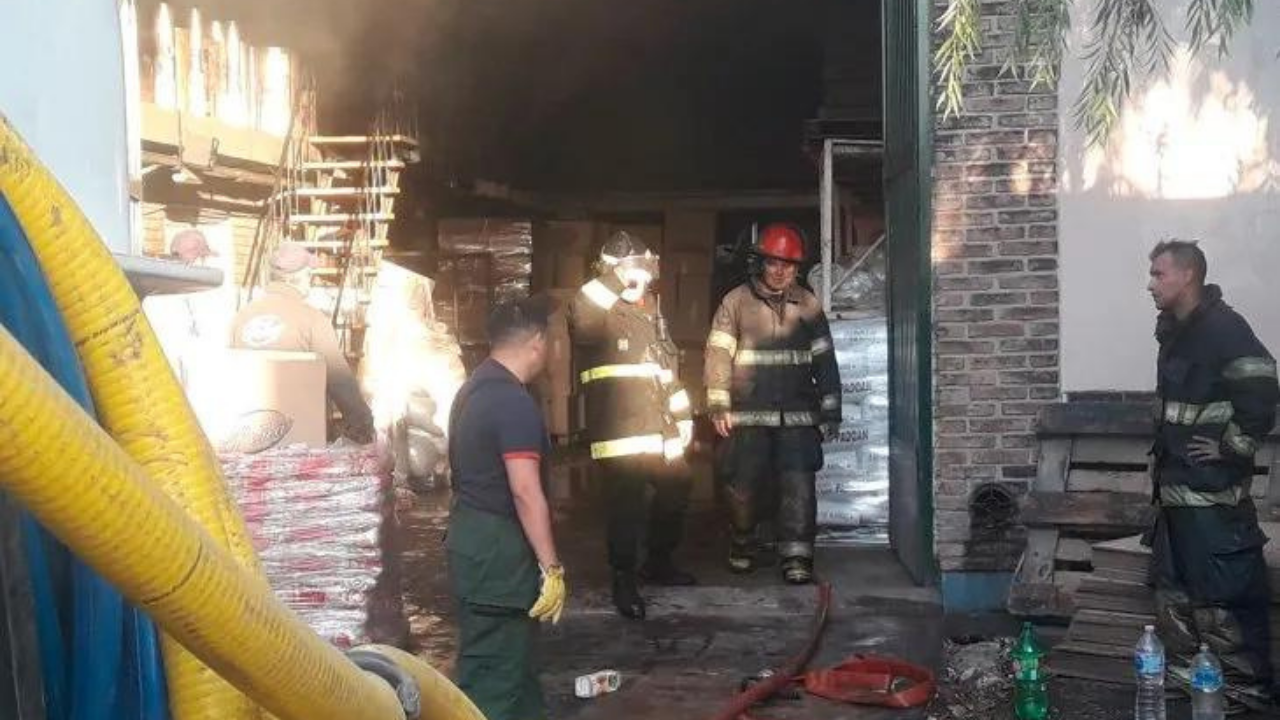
{"x":1114,"y":602}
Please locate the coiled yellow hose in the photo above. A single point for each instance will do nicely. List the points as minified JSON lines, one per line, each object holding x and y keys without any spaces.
{"x":123,"y":512}
{"x":138,"y":399}
{"x":86,"y":490}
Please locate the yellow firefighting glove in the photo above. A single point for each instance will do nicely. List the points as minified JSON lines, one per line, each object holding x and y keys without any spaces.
{"x":551,"y":599}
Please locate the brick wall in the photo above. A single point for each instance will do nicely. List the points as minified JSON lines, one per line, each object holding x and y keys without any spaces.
{"x":995,"y":295}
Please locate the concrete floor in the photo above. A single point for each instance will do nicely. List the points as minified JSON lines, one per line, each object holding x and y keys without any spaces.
{"x":688,"y":658}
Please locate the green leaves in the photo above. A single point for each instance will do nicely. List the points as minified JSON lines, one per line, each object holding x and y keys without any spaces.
{"x":1126,"y":35}
{"x":961,"y":26}
{"x":1125,"y":39}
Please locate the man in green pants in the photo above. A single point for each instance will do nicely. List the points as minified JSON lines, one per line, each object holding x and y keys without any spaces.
{"x":503,"y":567}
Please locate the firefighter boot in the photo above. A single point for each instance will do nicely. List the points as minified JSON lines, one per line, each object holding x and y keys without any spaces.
{"x":797,"y":522}
{"x":626,"y":595}
{"x":797,"y":570}
{"x":742,"y":556}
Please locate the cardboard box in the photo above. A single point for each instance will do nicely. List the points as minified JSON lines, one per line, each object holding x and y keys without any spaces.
{"x":239,"y":388}
{"x":690,"y":230}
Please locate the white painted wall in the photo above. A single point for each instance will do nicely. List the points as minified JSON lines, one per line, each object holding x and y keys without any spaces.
{"x":1197,"y":156}
{"x":63,"y":88}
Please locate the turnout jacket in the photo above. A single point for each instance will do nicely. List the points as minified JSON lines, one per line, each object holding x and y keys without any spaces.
{"x":1215,"y":380}
{"x":634,"y":403}
{"x":770,"y":360}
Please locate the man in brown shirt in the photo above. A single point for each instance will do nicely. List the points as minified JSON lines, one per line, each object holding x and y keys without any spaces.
{"x":281,"y":319}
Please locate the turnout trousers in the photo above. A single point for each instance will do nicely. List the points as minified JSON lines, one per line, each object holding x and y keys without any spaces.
{"x":772,"y":469}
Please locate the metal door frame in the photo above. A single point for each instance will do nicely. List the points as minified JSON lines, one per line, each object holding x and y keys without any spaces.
{"x":906,"y":97}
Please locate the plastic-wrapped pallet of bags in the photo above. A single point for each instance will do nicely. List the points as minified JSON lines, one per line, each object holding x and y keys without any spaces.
{"x":323,"y":524}
{"x":853,"y":486}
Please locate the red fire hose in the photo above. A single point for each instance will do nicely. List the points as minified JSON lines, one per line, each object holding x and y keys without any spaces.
{"x":737,"y":708}
{"x":862,"y":680}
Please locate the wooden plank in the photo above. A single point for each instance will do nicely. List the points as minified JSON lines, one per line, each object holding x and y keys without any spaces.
{"x":1111,"y":450}
{"x":1139,"y":606}
{"x":1109,"y":670}
{"x":1039,"y":600}
{"x":1095,"y":418}
{"x":1131,"y":545}
{"x":1032,"y":591}
{"x":1074,"y":551}
{"x":1126,"y":419}
{"x":1100,"y":512}
{"x":1135,"y":482}
{"x":1127,"y":576}
{"x":1068,"y":582}
{"x":1102,"y":617}
{"x":1051,"y":470}
{"x":1101,"y":586}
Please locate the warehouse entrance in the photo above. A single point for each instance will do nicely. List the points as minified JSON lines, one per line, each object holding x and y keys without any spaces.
{"x":546,"y":126}
{"x":693,"y":125}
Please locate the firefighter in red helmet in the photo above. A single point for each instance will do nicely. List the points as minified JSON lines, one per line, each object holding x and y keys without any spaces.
{"x":773,"y":389}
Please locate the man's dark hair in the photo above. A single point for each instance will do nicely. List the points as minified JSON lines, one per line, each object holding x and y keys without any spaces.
{"x":1186,"y":254}
{"x":515,"y":321}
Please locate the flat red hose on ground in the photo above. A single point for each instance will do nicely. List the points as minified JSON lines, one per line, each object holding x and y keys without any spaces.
{"x":786,"y":675}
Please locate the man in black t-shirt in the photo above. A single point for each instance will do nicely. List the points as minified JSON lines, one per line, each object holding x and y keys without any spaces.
{"x":503,"y":567}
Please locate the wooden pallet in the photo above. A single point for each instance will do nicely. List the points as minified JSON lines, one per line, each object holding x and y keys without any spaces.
{"x":1111,"y":612}
{"x":1092,"y":484}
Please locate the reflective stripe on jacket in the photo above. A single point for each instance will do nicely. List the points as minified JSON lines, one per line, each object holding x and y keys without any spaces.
{"x":633,"y":399}
{"x":770,"y":360}
{"x":1217,"y":381}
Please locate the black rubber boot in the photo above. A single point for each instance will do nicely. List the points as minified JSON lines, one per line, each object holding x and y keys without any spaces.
{"x":663,"y":572}
{"x":742,"y":557}
{"x":797,"y":570}
{"x":626,"y":596}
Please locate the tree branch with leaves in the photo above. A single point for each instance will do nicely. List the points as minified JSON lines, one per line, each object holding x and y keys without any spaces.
{"x":1124,"y":38}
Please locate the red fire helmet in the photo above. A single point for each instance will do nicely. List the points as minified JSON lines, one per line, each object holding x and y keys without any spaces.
{"x":781,"y":242}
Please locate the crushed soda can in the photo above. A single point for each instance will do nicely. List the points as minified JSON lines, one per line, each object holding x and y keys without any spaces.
{"x":597,"y":683}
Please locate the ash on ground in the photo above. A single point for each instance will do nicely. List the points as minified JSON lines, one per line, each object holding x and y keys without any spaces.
{"x":976,"y":681}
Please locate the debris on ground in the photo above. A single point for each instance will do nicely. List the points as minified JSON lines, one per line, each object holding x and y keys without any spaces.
{"x":976,"y":680}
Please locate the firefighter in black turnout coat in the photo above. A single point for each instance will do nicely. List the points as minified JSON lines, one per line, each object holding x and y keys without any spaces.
{"x":773,"y":389}
{"x":1217,"y":402}
{"x":638,"y":417}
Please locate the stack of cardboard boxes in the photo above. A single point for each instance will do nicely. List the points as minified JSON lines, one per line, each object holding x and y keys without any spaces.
{"x":483,"y":261}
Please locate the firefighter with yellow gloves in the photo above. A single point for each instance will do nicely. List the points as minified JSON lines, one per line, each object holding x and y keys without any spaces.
{"x":773,"y":390}
{"x":638,"y":417}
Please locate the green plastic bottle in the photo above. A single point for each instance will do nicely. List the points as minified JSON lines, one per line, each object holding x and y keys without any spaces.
{"x":1031,"y":698}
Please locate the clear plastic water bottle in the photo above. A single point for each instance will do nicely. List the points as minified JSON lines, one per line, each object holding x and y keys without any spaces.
{"x":1206,"y":687}
{"x":1148,"y":663}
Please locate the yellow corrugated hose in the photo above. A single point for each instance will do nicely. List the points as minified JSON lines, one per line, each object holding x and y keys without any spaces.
{"x":121,"y":507}
{"x":137,"y":397}
{"x":89,"y":493}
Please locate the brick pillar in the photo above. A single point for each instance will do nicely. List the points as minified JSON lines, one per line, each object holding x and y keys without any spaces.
{"x":995,"y":252}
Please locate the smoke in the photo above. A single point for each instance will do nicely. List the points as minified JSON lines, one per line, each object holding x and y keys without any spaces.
{"x":356,"y":50}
